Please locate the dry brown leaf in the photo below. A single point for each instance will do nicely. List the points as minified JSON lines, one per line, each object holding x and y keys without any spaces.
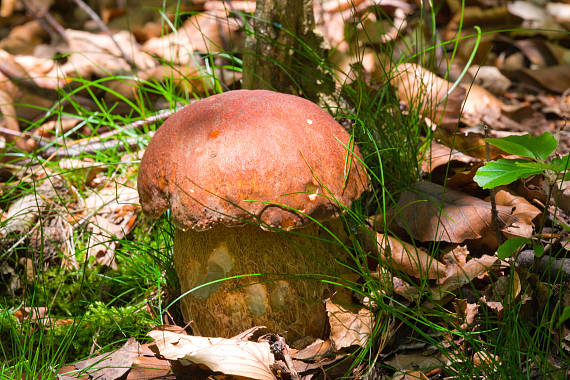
{"x":23,"y":213}
{"x":469,"y":16}
{"x":490,"y":78}
{"x":348,"y":328}
{"x":228,"y":356}
{"x":553,"y":78}
{"x":111,"y":366}
{"x":421,"y":360}
{"x":420,"y":88}
{"x":432,"y":213}
{"x":114,"y":211}
{"x":466,"y":312}
{"x":484,"y":358}
{"x":315,"y":350}
{"x":480,"y":106}
{"x":97,"y":54}
{"x":496,"y":306}
{"x":460,"y":276}
{"x":24,"y":38}
{"x":536,"y":20}
{"x":7,"y":7}
{"x":410,"y":375}
{"x":409,"y":259}
{"x":200,"y":33}
{"x":439,"y":155}
{"x":404,"y":289}
{"x":55,"y":238}
{"x":559,"y":11}
{"x":457,"y":256}
{"x":522,"y":211}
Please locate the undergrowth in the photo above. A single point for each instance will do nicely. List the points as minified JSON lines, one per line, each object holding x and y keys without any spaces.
{"x":104,"y":306}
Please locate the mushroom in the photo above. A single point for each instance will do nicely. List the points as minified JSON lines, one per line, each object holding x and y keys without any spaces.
{"x":237,"y":170}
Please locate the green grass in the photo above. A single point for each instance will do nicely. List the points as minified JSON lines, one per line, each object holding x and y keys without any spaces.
{"x":108,"y":306}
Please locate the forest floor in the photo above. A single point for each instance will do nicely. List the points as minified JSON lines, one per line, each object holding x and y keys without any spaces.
{"x":460,"y":253}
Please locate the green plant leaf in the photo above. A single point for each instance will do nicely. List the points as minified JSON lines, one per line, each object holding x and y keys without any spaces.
{"x":538,"y":250}
{"x":561,"y":164}
{"x":503,"y":172}
{"x":565,"y":315}
{"x":509,"y":247}
{"x":535,"y":147}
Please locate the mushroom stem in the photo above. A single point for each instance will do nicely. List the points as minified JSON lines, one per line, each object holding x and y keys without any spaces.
{"x":277,"y":298}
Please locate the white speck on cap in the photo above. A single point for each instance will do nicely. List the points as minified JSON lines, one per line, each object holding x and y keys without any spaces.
{"x":309,"y":121}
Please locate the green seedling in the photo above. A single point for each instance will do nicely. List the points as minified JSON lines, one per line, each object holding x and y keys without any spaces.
{"x":536,"y":152}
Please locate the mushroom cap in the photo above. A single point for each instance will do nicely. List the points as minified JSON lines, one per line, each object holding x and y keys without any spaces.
{"x":249,"y":155}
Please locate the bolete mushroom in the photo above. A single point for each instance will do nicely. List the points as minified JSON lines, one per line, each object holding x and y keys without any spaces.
{"x":236,"y":169}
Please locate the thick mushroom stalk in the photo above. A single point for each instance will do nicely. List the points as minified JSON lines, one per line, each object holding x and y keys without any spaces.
{"x":233,"y":168}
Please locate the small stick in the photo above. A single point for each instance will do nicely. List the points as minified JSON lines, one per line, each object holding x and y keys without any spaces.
{"x":494,"y":214}
{"x":95,"y":17}
{"x":91,"y":148}
{"x":24,"y":135}
{"x":46,"y":20}
{"x":83,"y":147}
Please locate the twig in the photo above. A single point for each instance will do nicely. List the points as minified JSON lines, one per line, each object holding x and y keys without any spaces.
{"x":160,"y":115}
{"x":554,"y":266}
{"x":87,"y":146}
{"x":46,"y":20}
{"x":494,"y":214}
{"x":91,"y":148}
{"x":95,"y":17}
{"x":24,"y":135}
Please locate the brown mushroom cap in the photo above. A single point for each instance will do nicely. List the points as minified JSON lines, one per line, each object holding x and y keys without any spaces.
{"x":232,"y":157}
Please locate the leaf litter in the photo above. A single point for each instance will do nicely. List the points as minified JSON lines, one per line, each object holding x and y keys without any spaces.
{"x":518,"y":82}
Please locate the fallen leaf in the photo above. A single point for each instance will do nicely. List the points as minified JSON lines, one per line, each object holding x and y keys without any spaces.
{"x":430,"y":212}
{"x":460,"y":276}
{"x":228,"y":356}
{"x":318,"y":349}
{"x":97,"y":54}
{"x":23,"y":213}
{"x":348,"y":328}
{"x":409,"y":259}
{"x":200,"y":33}
{"x":420,"y":360}
{"x":111,"y":366}
{"x":424,"y":90}
{"x":439,"y":155}
{"x":522,"y":211}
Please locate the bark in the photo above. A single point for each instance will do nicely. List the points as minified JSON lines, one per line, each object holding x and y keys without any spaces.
{"x":284,"y":53}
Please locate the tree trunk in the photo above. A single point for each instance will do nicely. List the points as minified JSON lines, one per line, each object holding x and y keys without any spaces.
{"x":284,"y":53}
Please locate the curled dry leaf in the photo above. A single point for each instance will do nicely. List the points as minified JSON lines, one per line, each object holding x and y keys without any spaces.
{"x":522,"y":210}
{"x":460,"y":276}
{"x":466,"y":312}
{"x":318,"y":349}
{"x":228,"y":356}
{"x":431,"y":212}
{"x":348,"y":328}
{"x":409,"y":259}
